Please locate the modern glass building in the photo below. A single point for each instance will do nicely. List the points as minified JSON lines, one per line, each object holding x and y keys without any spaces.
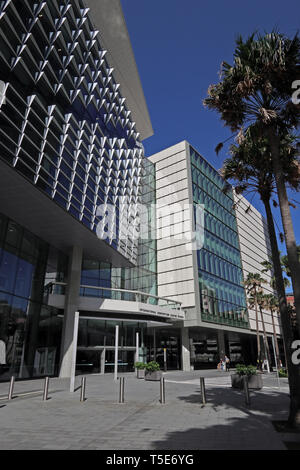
{"x":29,"y":328}
{"x":208,"y":277}
{"x":65,"y":126}
{"x":72,"y":119}
{"x":78,"y":272}
{"x":222,"y":295}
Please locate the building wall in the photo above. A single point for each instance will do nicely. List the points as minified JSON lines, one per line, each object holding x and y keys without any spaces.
{"x":30,"y":330}
{"x":235,"y":242}
{"x":255,"y":248}
{"x":222,"y":295}
{"x":64,"y":124}
{"x":208,"y":280}
{"x":175,"y":259}
{"x":107,"y":16}
{"x":143,"y":277}
{"x":67,"y":133}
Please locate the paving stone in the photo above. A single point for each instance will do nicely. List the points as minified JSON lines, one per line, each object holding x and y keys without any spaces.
{"x":183,"y":422}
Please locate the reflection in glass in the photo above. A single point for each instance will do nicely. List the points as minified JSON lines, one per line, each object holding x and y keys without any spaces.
{"x":222,"y":294}
{"x":30,"y":332}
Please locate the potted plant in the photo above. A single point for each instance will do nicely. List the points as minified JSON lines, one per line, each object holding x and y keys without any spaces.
{"x":254,"y":379}
{"x":282,"y":372}
{"x":140,"y":369}
{"x":152,"y":371}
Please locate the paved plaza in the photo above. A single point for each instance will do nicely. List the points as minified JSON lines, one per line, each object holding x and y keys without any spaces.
{"x":142,"y":422}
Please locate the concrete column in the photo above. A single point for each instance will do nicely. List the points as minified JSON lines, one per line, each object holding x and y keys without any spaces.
{"x":221,"y":344}
{"x":71,"y":306}
{"x":185,"y":350}
{"x":74,"y":353}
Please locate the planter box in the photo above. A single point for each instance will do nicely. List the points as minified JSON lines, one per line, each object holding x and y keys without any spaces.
{"x":155,"y":375}
{"x":254,"y":381}
{"x":140,"y":373}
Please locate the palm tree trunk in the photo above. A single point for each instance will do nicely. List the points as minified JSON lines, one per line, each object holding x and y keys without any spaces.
{"x":265,"y":336}
{"x":290,"y":241}
{"x":275,"y":340}
{"x":257,"y":333}
{"x":287,"y":331}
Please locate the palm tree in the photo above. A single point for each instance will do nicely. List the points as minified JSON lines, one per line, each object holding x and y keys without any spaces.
{"x":250,"y":166}
{"x":253,"y":305}
{"x":253,"y":285}
{"x":272,"y":304}
{"x":285,"y":262}
{"x":268,"y":266}
{"x":256,"y":90}
{"x":262,"y":304}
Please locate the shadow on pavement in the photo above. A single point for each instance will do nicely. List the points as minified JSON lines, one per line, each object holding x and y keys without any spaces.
{"x":253,"y":431}
{"x":232,"y":398}
{"x":236,"y":434}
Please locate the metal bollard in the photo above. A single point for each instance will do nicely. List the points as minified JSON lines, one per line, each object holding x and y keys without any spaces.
{"x":246,"y":390}
{"x":162,"y":390}
{"x":82,"y":391}
{"x":11,"y":388}
{"x":202,"y":389}
{"x":46,"y":388}
{"x":121,"y":390}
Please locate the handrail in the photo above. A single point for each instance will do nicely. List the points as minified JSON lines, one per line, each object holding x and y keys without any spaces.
{"x":169,"y":302}
{"x":132,"y":292}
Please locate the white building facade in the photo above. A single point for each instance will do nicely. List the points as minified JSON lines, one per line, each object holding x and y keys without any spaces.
{"x":207,"y":277}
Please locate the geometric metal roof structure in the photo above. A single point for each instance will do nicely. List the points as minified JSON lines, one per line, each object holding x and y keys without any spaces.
{"x":64,"y":124}
{"x":107,"y":15}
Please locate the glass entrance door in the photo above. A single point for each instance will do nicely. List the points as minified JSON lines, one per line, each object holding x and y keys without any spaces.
{"x":125,"y":360}
{"x":168,"y":340}
{"x":88,"y":361}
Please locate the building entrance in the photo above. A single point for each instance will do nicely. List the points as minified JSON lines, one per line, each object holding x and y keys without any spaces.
{"x":97,"y":360}
{"x":125,"y":360}
{"x":164,"y":343}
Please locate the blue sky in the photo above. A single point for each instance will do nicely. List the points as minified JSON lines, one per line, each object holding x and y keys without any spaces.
{"x":179,"y":46}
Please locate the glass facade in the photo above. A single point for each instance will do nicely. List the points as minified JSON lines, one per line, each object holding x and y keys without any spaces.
{"x":206,"y":351}
{"x":166,"y":342}
{"x":142,"y":278}
{"x":97,"y":332}
{"x":64,"y":124}
{"x":30,"y":331}
{"x":222,"y":294}
{"x":96,"y":342}
{"x":65,"y":127}
{"x":95,"y":274}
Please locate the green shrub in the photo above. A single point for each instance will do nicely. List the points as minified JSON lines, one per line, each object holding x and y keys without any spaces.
{"x":282,"y":372}
{"x":140,"y":365}
{"x":242,"y":369}
{"x":152,"y":366}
